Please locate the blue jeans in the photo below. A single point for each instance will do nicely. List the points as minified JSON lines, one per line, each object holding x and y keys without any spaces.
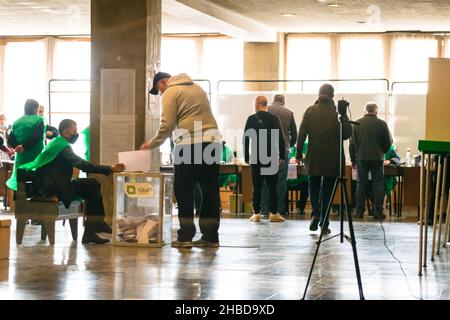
{"x":281,"y":190}
{"x":377,"y":170}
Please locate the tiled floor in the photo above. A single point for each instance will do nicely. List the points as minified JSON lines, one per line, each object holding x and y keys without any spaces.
{"x":256,"y":261}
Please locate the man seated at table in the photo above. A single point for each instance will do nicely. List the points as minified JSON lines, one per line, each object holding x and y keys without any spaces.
{"x":53,"y":178}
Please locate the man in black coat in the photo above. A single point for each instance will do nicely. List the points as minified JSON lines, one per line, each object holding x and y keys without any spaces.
{"x":320,"y":125}
{"x":55,"y":179}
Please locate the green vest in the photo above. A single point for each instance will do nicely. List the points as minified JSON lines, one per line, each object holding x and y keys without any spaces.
{"x":87,"y":143}
{"x":292,"y":183}
{"x":51,"y":151}
{"x":23,"y":129}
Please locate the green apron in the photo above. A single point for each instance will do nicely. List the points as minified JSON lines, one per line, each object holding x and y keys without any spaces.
{"x":51,"y":151}
{"x":227,"y":179}
{"x":293,"y":183}
{"x":389,"y":182}
{"x":23,"y":129}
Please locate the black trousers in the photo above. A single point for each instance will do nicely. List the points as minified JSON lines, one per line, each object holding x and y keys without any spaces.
{"x":303,"y":187}
{"x":186,"y":176}
{"x":320,"y":190}
{"x":258,"y":180}
{"x":89,"y":189}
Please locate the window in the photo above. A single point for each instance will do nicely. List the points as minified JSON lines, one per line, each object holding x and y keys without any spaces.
{"x":72,"y":60}
{"x":24,"y":76}
{"x":71,"y":99}
{"x":361,"y":58}
{"x":308,"y":58}
{"x":223,"y":59}
{"x":410,"y":59}
{"x":180,"y":56}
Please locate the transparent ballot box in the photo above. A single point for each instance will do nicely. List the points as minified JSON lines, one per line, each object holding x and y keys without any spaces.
{"x":142,"y":209}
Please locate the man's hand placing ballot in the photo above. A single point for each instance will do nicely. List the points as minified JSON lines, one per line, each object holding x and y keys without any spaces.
{"x":118,"y":167}
{"x":145,"y":146}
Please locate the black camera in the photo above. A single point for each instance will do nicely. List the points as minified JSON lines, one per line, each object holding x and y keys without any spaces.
{"x":342,"y":107}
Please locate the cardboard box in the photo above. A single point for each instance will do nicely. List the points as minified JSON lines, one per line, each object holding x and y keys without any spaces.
{"x":5,"y":232}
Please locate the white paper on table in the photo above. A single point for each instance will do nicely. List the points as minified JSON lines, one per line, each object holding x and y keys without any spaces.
{"x":136,"y":160}
{"x":292,"y":171}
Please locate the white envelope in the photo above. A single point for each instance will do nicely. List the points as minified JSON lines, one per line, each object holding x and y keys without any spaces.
{"x":292,"y":171}
{"x":136,"y":160}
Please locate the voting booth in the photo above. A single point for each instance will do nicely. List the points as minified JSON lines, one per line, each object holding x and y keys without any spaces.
{"x":142,"y":209}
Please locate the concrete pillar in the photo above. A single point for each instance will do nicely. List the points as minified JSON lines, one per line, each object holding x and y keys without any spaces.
{"x":261,"y":62}
{"x":126,"y":40}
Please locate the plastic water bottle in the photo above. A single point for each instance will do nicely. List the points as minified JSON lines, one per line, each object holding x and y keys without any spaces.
{"x":408,"y":157}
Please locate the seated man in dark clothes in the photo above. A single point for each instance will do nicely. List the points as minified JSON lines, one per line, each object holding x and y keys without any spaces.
{"x":53,"y":177}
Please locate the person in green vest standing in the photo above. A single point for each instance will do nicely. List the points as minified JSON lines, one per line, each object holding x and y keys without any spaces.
{"x":301,"y":183}
{"x":27,"y":138}
{"x":392,"y":158}
{"x":86,"y":136}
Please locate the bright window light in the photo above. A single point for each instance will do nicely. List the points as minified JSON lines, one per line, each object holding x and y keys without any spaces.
{"x":410,"y":59}
{"x":180,"y":56}
{"x":308,"y":58}
{"x":72,"y":60}
{"x":361,"y":58}
{"x":24,"y":77}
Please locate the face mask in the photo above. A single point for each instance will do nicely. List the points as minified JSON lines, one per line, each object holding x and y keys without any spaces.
{"x":73,"y":139}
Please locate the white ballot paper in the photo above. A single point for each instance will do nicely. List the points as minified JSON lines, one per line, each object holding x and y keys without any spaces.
{"x":292,"y":171}
{"x":136,"y":160}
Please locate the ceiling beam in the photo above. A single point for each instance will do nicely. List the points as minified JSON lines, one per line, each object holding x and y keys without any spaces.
{"x":220,"y":19}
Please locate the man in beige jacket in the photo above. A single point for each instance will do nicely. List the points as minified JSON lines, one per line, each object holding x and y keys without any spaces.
{"x":186,"y":111}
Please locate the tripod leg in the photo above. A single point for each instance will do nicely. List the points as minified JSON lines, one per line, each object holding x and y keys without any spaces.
{"x":320,"y":238}
{"x":352,"y":236}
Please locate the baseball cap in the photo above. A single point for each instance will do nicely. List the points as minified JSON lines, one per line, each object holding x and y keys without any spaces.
{"x":159,"y":76}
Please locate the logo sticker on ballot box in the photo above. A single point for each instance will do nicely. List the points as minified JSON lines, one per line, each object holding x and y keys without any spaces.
{"x":139,"y":190}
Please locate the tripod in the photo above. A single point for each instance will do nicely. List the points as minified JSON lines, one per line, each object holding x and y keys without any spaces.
{"x":343,"y":208}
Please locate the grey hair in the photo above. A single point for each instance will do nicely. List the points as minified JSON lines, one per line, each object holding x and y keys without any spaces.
{"x":327,"y":90}
{"x":279,"y":98}
{"x":371,"y":107}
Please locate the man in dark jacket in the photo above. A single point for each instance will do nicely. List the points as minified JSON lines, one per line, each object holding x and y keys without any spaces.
{"x":289,"y":131}
{"x":53,"y":177}
{"x":320,"y":125}
{"x":371,"y":141}
{"x":263,"y":131}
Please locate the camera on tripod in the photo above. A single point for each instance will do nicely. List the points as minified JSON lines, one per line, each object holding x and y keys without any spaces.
{"x":343,"y":105}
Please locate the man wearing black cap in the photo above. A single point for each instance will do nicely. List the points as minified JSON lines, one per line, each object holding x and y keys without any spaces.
{"x":187,"y":111}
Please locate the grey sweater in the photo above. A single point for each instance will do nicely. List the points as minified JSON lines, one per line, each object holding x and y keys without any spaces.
{"x":185,"y":109}
{"x":371,"y":139}
{"x":288,"y":125}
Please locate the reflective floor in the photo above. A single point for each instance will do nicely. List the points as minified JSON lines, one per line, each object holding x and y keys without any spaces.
{"x":256,"y":261}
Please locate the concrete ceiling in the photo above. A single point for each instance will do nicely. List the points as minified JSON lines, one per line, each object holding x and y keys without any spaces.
{"x":248,"y":19}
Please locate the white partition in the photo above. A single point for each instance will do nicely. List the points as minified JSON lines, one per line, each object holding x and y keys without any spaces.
{"x":408,"y":118}
{"x":232,"y":110}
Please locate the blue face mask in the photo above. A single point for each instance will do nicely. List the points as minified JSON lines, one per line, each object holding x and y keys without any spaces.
{"x":73,"y":139}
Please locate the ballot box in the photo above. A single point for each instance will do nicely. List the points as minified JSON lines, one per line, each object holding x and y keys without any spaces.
{"x":142,"y":209}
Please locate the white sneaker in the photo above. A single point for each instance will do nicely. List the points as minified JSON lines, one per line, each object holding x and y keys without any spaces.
{"x":276,"y":218}
{"x":255,"y":218}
